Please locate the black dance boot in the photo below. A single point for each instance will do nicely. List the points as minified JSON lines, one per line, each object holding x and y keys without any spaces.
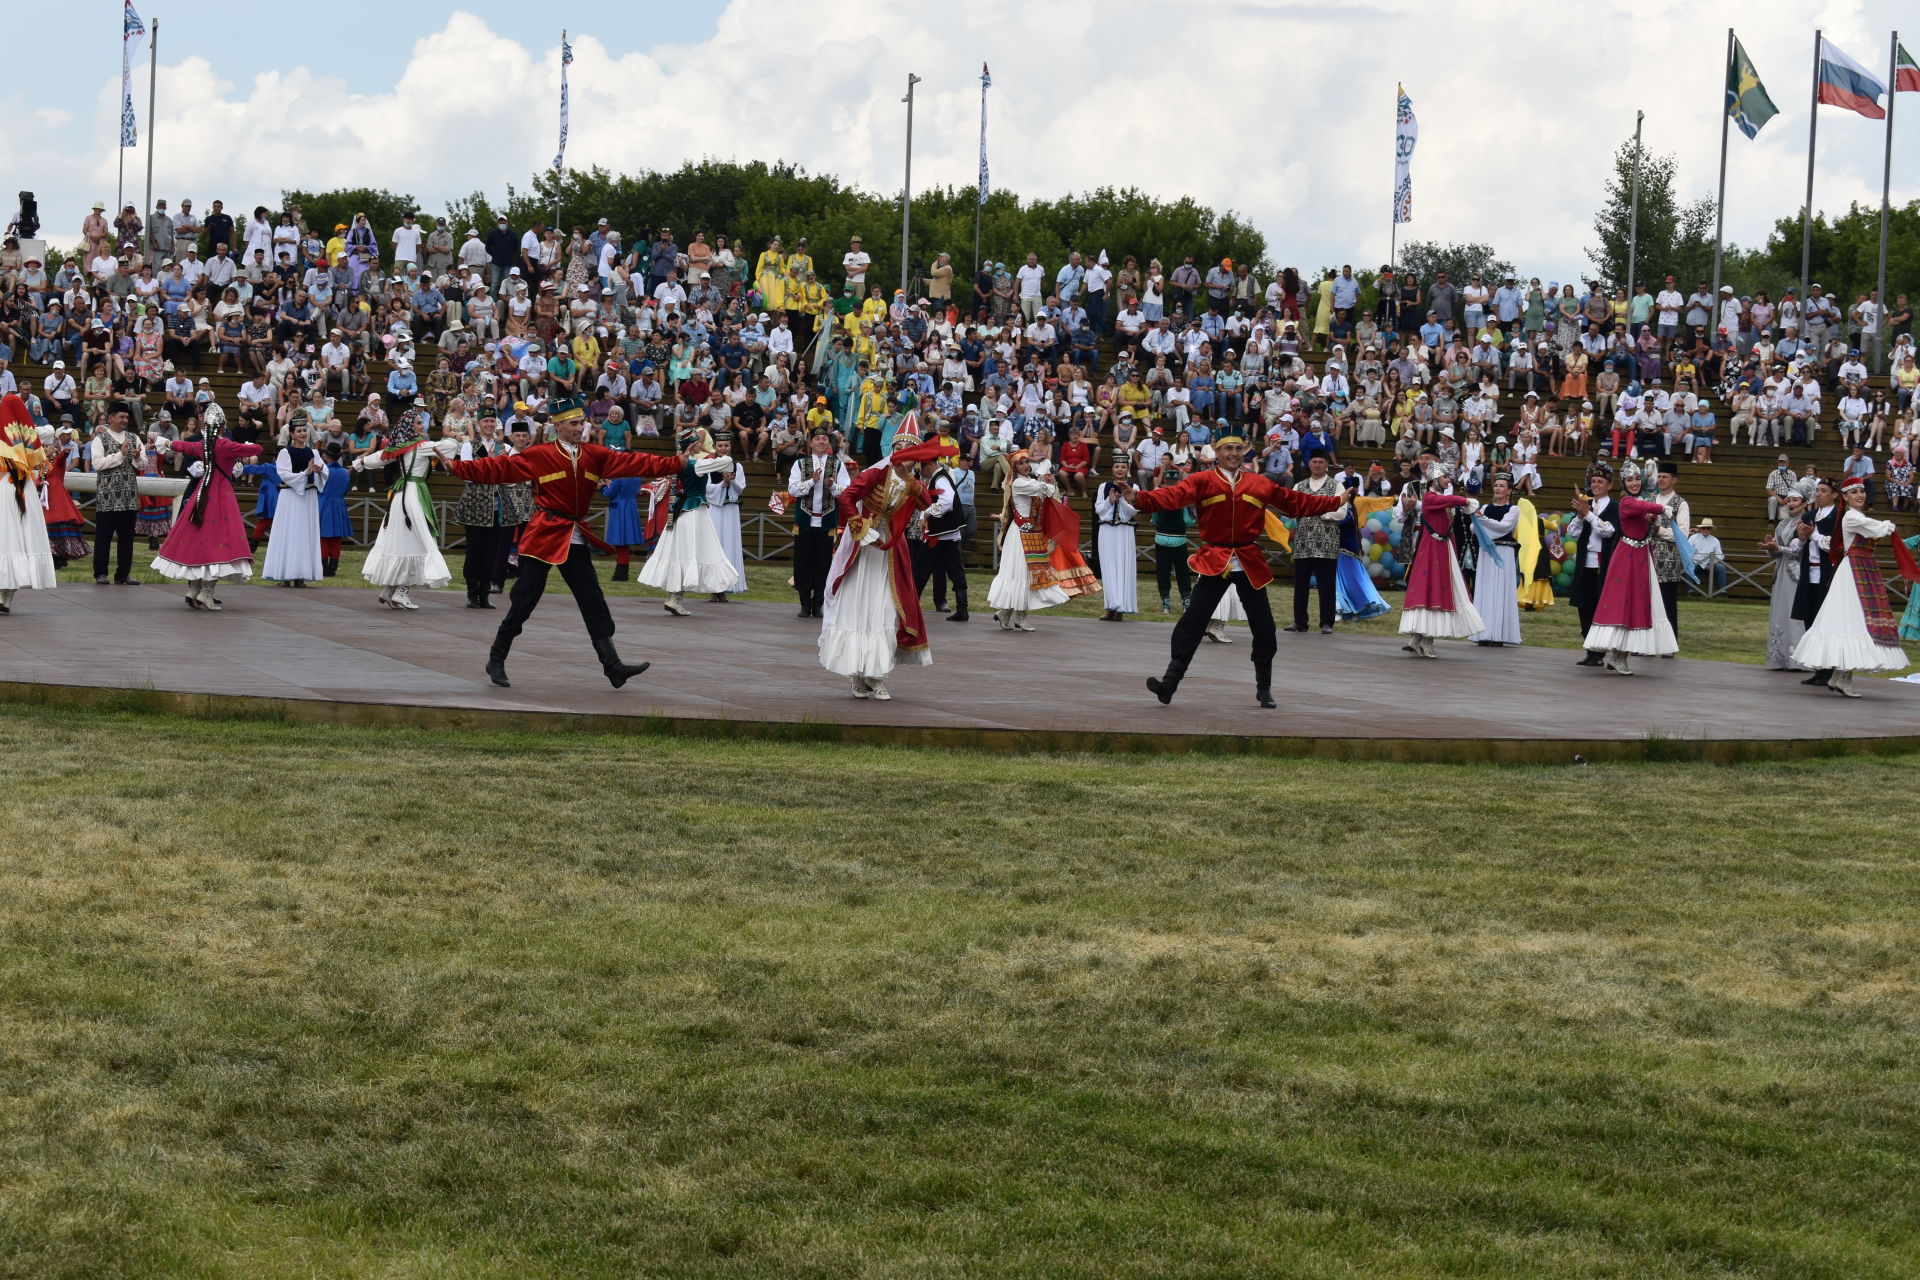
{"x":959,"y":613}
{"x":619,"y":573}
{"x":1820,"y":677}
{"x":497,"y":665}
{"x":1263,"y":686}
{"x":618,"y":672}
{"x":1163,"y":687}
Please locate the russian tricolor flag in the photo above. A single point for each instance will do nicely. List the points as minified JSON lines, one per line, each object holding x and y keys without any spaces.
{"x":1845,"y":83}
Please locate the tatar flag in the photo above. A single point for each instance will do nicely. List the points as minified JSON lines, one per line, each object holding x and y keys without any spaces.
{"x":1906,"y":72}
{"x":1845,"y":83}
{"x":1747,"y":100}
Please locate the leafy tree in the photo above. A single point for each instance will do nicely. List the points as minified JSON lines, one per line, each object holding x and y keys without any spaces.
{"x":1425,"y":259}
{"x":749,"y":203}
{"x":1674,"y":239}
{"x":326,"y":209}
{"x":1846,"y":251}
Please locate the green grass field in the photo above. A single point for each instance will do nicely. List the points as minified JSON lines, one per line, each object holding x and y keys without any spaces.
{"x":289,"y":1003}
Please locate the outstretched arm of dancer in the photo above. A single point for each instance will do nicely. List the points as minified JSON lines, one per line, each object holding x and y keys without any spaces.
{"x":614,"y":465}
{"x":509,"y":469}
{"x":1166,"y":497}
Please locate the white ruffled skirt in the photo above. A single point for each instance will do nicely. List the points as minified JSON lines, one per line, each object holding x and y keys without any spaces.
{"x":1839,"y":639}
{"x":689,"y":557}
{"x":26,"y":557}
{"x":858,"y":622}
{"x":1462,"y":622}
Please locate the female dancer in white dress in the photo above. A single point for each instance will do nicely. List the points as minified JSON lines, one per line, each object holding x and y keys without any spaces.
{"x":689,"y":556}
{"x":1855,"y":628}
{"x":406,"y":554}
{"x":26,"y":556}
{"x":1025,"y":581}
{"x":293,"y":544}
{"x":1496,"y":586}
{"x":724,"y":491}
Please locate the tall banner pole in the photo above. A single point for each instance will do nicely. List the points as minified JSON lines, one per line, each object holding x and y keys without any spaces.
{"x":1633,"y":216}
{"x":1886,"y":193}
{"x":153,"y":83}
{"x":1806,"y":210}
{"x":1720,"y":202}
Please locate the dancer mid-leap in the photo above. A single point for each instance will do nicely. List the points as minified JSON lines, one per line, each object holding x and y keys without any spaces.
{"x":1232,"y":506}
{"x":565,"y":474}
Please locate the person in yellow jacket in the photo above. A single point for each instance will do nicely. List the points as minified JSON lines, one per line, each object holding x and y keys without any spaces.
{"x":871,"y":409}
{"x":820,"y":417}
{"x":337,"y":245}
{"x":770,"y":277}
{"x":799,"y":266}
{"x":874,"y":309}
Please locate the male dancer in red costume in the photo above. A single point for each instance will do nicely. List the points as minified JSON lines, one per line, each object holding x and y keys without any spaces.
{"x":1232,"y":506}
{"x":565,"y":475}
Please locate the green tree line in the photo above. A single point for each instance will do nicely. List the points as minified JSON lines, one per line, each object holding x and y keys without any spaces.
{"x":753,"y":202}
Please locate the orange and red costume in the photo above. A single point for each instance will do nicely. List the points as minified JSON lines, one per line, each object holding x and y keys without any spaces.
{"x":1231,"y":514}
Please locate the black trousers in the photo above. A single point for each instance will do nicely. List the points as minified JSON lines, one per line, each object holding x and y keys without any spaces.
{"x":1586,"y":589}
{"x":107,"y":526}
{"x":942,"y":562}
{"x":1168,"y":562}
{"x":486,"y":561}
{"x":812,"y":557}
{"x":1308,"y":572}
{"x":1207,"y":594}
{"x":532,"y":583}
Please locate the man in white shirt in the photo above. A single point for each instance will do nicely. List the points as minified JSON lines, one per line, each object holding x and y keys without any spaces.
{"x":1667,"y":304}
{"x":406,"y":242}
{"x":1032,"y":279}
{"x":1132,"y":322}
{"x":336,"y":359}
{"x":780,"y":340}
{"x":257,"y":399}
{"x":855,"y":262}
{"x":669,"y":294}
{"x":221,"y":268}
{"x":815,"y":482}
{"x":191,"y":267}
{"x":473,"y":251}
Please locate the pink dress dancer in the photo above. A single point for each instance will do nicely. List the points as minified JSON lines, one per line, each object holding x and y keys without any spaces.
{"x":209,"y":540}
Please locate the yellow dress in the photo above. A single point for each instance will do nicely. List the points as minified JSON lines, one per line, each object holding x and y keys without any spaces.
{"x":1323,"y":312}
{"x":798,"y":265}
{"x":873,"y":406}
{"x":813,"y":298}
{"x":770,"y":274}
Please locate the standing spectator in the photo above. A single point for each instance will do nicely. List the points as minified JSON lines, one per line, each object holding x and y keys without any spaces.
{"x":503,"y":252}
{"x":1183,"y":285}
{"x":1033,"y":280}
{"x":1094,"y":298}
{"x":406,"y":243}
{"x":439,"y":248}
{"x":1219,"y":286}
{"x":1443,"y":300}
{"x":160,"y":235}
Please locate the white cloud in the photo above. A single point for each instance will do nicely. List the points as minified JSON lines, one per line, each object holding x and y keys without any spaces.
{"x":1282,"y":111}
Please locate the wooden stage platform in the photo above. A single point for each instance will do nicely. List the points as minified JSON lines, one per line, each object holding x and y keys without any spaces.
{"x":331,"y":655}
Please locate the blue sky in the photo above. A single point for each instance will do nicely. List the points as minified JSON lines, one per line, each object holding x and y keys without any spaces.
{"x":1278,"y":109}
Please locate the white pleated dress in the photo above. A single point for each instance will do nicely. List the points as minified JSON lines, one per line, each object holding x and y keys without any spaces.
{"x":1839,"y":639}
{"x":689,"y":557}
{"x":406,"y":553}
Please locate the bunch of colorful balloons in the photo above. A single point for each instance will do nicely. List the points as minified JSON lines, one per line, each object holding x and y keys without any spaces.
{"x":1380,"y":545}
{"x":1563,"y":571}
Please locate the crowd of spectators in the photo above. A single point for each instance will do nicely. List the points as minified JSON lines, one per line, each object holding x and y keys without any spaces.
{"x":650,"y":331}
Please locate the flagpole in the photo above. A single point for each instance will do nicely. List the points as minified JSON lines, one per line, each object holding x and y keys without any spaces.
{"x":1720,"y":205}
{"x":980,"y":198}
{"x":1633,"y":217}
{"x":153,"y":82}
{"x":559,"y":167}
{"x":1806,"y":211}
{"x":1886,"y":192}
{"x":1393,"y":231}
